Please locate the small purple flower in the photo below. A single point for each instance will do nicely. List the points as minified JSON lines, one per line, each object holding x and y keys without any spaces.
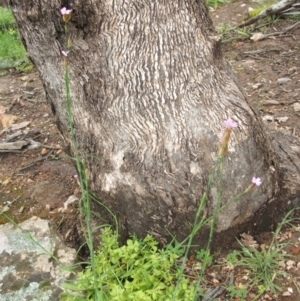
{"x":256,"y":181}
{"x":230,"y":124}
{"x":65,"y":53}
{"x":65,"y":11}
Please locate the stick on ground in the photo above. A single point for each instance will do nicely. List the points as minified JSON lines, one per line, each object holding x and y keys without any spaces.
{"x":274,"y":9}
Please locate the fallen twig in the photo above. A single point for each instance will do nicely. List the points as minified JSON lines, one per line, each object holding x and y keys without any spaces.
{"x":34,"y":162}
{"x":277,"y":33}
{"x":259,"y":51}
{"x":262,"y":36}
{"x":23,"y":144}
{"x":38,"y":144}
{"x":218,"y":290}
{"x":13,"y":146}
{"x":15,"y":135}
{"x":235,"y":39}
{"x":16,"y":126}
{"x":274,"y":9}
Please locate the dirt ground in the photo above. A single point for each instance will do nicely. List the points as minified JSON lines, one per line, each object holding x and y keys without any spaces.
{"x":39,"y":181}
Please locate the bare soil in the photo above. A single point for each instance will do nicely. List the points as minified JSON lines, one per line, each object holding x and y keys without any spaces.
{"x":36,"y":182}
{"x":39,"y":181}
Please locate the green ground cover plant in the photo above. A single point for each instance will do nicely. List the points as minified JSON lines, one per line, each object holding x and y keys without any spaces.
{"x":6,"y":18}
{"x":138,"y":270}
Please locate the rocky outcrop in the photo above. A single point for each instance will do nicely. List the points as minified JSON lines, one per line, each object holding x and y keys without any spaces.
{"x":33,"y":261}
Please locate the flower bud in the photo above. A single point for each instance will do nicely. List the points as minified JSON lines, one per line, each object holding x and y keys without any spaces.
{"x":229,"y":124}
{"x":224,"y":143}
{"x":66,"y":13}
{"x":67,"y":18}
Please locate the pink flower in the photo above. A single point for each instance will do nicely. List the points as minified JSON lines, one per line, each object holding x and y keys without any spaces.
{"x":65,"y":53}
{"x":65,"y":11}
{"x":66,"y":14}
{"x":230,"y":124}
{"x":256,"y":181}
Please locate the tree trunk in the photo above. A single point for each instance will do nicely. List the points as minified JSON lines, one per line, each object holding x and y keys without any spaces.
{"x":150,"y":90}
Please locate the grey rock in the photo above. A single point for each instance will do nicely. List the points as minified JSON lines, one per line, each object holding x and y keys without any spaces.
{"x":28,"y":271}
{"x":282,"y":119}
{"x":292,"y":70}
{"x":267,"y":118}
{"x":248,"y":65}
{"x":257,"y":86}
{"x":296,"y":106}
{"x":283,"y":80}
{"x":271,"y":102}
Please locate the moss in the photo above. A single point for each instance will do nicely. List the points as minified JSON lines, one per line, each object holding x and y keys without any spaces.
{"x":45,"y":284}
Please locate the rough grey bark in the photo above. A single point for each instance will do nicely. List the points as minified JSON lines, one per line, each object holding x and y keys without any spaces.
{"x":150,"y":90}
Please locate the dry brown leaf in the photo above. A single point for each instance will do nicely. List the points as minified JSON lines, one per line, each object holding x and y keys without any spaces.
{"x":16,"y":126}
{"x":290,"y":264}
{"x":5,"y":182}
{"x":263,"y":246}
{"x":7,"y":120}
{"x":238,"y":44}
{"x":58,"y":152}
{"x":44,"y":151}
{"x":286,"y":294}
{"x":256,"y":37}
{"x":248,"y":241}
{"x":15,"y":98}
{"x":282,"y":264}
{"x":241,"y":286}
{"x":4,"y":209}
{"x":268,"y":297}
{"x":294,"y":250}
{"x":22,"y":103}
{"x":2,"y":109}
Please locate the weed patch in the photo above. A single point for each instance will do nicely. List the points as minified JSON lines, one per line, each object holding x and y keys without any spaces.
{"x":135,"y":271}
{"x":216,"y":3}
{"x":262,"y":265}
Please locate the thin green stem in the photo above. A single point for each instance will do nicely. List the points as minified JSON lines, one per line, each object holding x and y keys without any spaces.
{"x":82,"y":173}
{"x":212,"y":228}
{"x":197,"y":225}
